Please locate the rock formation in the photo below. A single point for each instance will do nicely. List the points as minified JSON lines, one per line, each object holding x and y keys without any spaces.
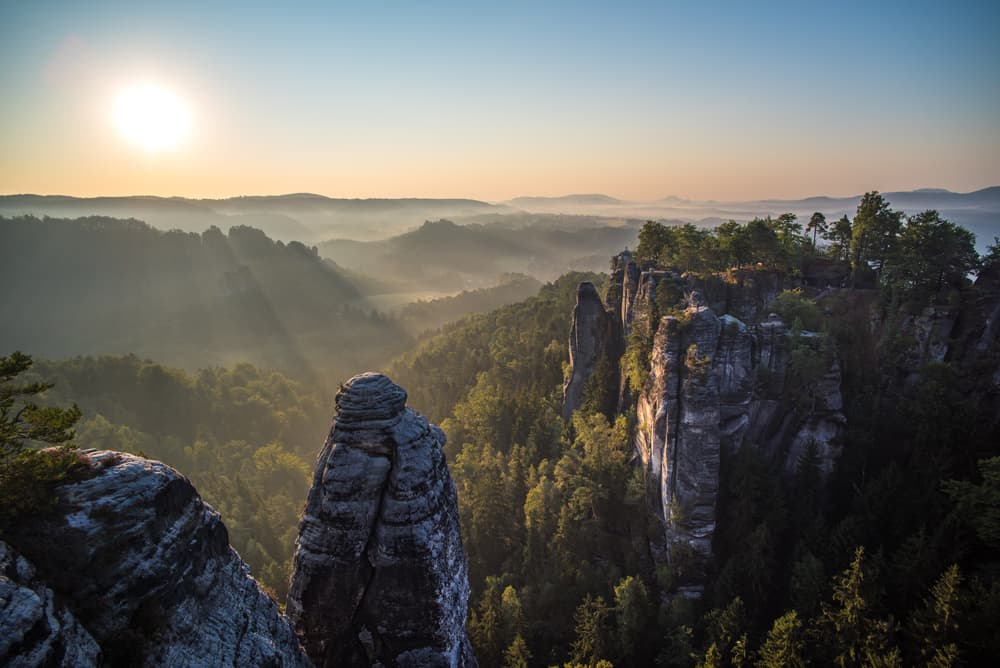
{"x":590,"y":339}
{"x":704,"y":399}
{"x":716,"y":383}
{"x":143,"y":569}
{"x":379,"y":571}
{"x":38,"y":630}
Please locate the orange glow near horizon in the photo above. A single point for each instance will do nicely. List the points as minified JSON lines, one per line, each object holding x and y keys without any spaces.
{"x":638,"y":102}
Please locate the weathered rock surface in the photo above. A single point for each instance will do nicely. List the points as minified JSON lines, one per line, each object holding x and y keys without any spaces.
{"x":590,"y":338}
{"x":145,"y":567}
{"x":379,"y":573}
{"x":38,"y":630}
{"x":678,"y":438}
{"x":717,"y":385}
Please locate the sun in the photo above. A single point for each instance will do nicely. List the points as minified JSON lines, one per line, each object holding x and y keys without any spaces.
{"x":152,"y":117}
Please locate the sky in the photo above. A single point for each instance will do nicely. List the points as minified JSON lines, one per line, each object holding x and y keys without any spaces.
{"x":723,"y":100}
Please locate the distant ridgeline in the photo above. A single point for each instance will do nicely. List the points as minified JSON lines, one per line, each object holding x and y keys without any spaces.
{"x":774,"y":450}
{"x":98,"y":285}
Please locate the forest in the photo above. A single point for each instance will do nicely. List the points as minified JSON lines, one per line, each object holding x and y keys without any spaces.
{"x":894,"y":564}
{"x":894,"y":561}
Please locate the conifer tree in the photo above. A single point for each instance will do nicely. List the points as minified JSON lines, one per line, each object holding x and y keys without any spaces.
{"x":26,"y":473}
{"x":784,"y":646}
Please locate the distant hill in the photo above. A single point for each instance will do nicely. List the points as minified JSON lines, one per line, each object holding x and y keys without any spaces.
{"x":312,"y":218}
{"x":444,"y":255}
{"x":561,"y":203}
{"x":424,"y":315}
{"x":299,"y":217}
{"x":99,"y":285}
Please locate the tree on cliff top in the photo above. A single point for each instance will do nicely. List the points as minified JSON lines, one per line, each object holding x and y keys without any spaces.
{"x":932,"y":253}
{"x":817,"y":225}
{"x":26,"y":474}
{"x":874,"y":233}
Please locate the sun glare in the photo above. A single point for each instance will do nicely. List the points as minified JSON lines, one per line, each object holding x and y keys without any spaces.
{"x":152,"y":117}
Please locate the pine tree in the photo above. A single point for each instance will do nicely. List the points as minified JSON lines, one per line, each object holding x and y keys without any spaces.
{"x":27,"y":474}
{"x":816,"y":225}
{"x":632,"y":614}
{"x":935,"y":624}
{"x":517,"y":655}
{"x":784,"y":646}
{"x":590,"y":618}
{"x":849,"y":635}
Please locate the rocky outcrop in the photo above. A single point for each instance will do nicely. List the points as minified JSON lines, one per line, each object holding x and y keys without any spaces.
{"x":37,"y":629}
{"x":592,"y":336}
{"x":716,"y":385}
{"x":629,"y":281}
{"x":678,"y":438}
{"x":379,"y":575}
{"x":145,"y":569}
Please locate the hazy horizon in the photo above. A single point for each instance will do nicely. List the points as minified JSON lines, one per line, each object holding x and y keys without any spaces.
{"x":640,"y":100}
{"x":522,"y":196}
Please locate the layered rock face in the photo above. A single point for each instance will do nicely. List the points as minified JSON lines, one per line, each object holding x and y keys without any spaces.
{"x":704,"y":399}
{"x":145,"y":571}
{"x":379,"y":573}
{"x":716,"y":384}
{"x":678,"y":437}
{"x":38,"y":630}
{"x":590,"y":339}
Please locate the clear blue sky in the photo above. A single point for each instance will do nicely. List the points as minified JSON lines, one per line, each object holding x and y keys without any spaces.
{"x":492,"y":100}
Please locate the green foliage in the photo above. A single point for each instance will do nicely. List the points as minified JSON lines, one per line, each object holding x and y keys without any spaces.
{"x":520,"y":348}
{"x":992,"y":255}
{"x":590,"y":621}
{"x":793,"y":305}
{"x":784,"y":646}
{"x":633,"y":615}
{"x":817,"y":225}
{"x":635,"y":360}
{"x":769,"y":242}
{"x":751,"y":508}
{"x":600,"y":393}
{"x":839,"y":235}
{"x":873,"y":232}
{"x":809,"y":360}
{"x":517,"y":654}
{"x":486,"y":625}
{"x":979,"y":504}
{"x":930,"y":254}
{"x":725,"y":626}
{"x":852,"y":637}
{"x":549,"y":510}
{"x":27,"y":474}
{"x":934,"y":626}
